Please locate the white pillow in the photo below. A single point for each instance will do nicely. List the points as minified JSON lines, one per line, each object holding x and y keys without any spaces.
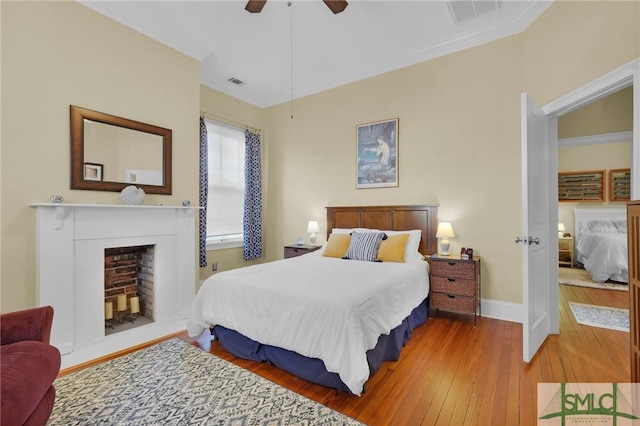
{"x":604,"y":226}
{"x":350,"y":230}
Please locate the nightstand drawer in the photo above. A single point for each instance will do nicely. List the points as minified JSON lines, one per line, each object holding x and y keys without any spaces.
{"x":452,"y":302}
{"x":460,"y":286}
{"x":454,"y":269}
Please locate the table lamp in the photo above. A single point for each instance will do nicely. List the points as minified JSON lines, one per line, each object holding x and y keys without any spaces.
{"x":444,"y":232}
{"x":312,"y":228}
{"x":561,"y":230}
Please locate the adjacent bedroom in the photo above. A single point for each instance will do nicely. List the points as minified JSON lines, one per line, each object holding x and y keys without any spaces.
{"x":594,"y":170}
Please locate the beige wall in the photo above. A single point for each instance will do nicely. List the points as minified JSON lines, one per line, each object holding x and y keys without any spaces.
{"x":452,"y":152}
{"x":56,"y":54}
{"x":574,"y":42}
{"x":459,"y":138}
{"x":611,"y":114}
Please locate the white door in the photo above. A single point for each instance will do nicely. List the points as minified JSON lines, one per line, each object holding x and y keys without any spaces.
{"x":538,"y":239}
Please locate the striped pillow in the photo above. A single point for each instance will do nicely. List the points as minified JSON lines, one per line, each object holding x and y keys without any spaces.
{"x":364,"y":246}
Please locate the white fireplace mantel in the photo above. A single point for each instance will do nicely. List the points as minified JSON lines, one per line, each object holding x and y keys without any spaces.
{"x":70,"y":243}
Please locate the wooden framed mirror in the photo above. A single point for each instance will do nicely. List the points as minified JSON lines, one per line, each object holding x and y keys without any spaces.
{"x":109,"y":153}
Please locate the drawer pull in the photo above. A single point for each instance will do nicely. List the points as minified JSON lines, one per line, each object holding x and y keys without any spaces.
{"x":452,"y":263}
{"x":451,"y":296}
{"x":451,"y":280}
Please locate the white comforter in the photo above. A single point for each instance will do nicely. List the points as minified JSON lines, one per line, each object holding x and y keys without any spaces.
{"x":319,"y":307}
{"x":604,"y":255}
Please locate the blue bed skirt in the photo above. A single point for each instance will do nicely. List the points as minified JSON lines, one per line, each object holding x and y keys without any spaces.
{"x":312,"y":369}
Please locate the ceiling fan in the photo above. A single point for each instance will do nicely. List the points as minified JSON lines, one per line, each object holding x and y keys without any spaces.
{"x":336,"y":6}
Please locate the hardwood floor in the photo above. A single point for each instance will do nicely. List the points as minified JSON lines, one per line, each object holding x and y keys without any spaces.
{"x":451,"y":373}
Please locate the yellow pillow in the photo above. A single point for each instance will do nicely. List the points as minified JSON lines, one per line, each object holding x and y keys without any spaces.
{"x":392,"y":249}
{"x":337,"y":245}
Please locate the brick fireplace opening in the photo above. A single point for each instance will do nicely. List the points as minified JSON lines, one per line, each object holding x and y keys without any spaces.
{"x":128,"y":287}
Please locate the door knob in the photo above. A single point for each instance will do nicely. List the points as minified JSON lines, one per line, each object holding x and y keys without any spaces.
{"x":535,"y":240}
{"x":521,"y":240}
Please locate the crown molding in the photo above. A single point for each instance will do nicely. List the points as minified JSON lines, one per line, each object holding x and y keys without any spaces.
{"x":596,"y":139}
{"x":119,"y":11}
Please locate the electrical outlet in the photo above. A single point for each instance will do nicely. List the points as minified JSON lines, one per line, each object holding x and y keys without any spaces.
{"x":214,"y":267}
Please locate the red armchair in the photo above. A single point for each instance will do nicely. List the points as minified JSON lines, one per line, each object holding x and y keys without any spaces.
{"x":28,"y":367}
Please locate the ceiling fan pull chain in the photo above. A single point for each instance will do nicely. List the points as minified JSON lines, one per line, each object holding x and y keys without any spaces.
{"x":291,"y":55}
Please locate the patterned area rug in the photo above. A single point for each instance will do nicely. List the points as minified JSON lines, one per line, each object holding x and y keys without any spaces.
{"x":175,"y":383}
{"x":601,"y":316}
{"x":581,"y":278}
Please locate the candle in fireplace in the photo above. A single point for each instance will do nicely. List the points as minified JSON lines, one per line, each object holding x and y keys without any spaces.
{"x":122,"y":302}
{"x":108,"y":310}
{"x":135,"y":304}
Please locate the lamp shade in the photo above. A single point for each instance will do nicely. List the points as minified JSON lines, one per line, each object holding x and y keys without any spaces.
{"x":313,"y":227}
{"x":445,"y":230}
{"x":561,"y":227}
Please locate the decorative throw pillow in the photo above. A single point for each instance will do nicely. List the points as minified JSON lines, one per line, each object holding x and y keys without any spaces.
{"x":364,"y":246}
{"x":392,"y":249}
{"x":411,"y":253}
{"x":605,"y":226}
{"x":337,"y":245}
{"x":621,"y":226}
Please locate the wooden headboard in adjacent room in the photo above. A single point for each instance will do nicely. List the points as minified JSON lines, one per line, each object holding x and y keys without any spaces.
{"x":393,"y":218}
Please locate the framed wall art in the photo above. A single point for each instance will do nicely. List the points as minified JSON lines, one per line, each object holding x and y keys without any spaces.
{"x":93,"y":171}
{"x":377,"y":154}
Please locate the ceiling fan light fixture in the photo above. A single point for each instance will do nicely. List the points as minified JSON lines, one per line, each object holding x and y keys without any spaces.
{"x":255,"y":6}
{"x":336,"y":6}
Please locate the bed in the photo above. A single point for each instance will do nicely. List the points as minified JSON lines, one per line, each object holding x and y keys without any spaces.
{"x":326,"y":319}
{"x":601,"y":243}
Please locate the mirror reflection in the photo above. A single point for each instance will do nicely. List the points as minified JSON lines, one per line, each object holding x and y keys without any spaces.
{"x":117,"y":151}
{"x":110,"y":152}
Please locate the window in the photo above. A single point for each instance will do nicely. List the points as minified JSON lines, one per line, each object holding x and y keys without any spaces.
{"x":225,"y":202}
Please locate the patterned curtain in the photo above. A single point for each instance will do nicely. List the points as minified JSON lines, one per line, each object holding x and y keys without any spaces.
{"x":204,"y":191}
{"x":252,"y":222}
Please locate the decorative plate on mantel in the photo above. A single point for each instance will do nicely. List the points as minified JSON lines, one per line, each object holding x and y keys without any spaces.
{"x":132,"y":196}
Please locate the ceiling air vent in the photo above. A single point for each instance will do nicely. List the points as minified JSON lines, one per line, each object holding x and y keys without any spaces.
{"x":236,"y":81}
{"x":463,"y":10}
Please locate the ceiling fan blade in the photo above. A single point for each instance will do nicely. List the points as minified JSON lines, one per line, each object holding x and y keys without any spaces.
{"x":336,"y":6}
{"x":255,"y":6}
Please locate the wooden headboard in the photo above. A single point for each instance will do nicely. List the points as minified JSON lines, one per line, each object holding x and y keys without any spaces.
{"x":393,"y":218}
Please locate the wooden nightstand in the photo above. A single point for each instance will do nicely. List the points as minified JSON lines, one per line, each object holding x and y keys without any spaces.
{"x":298,"y":250}
{"x":565,"y":251}
{"x":455,"y":284}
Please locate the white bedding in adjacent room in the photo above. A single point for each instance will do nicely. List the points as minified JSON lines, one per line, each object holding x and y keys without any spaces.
{"x":601,"y":243}
{"x":320,"y":307}
{"x":604,"y":255}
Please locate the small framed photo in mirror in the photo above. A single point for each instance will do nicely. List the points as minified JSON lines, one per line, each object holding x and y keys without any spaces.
{"x":93,"y":171}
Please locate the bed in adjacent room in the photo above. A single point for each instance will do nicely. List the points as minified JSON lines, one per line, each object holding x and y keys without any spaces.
{"x":327,"y":319}
{"x":601,"y":243}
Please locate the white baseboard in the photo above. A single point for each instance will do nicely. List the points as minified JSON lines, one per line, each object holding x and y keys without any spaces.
{"x":505,"y":311}
{"x":121,"y":341}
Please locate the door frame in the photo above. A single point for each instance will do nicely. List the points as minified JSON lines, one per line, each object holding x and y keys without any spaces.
{"x":618,"y":79}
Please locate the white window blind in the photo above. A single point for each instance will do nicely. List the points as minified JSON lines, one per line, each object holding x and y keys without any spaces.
{"x":225,"y":203}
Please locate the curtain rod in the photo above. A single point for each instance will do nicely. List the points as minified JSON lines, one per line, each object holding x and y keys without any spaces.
{"x":205,"y":114}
